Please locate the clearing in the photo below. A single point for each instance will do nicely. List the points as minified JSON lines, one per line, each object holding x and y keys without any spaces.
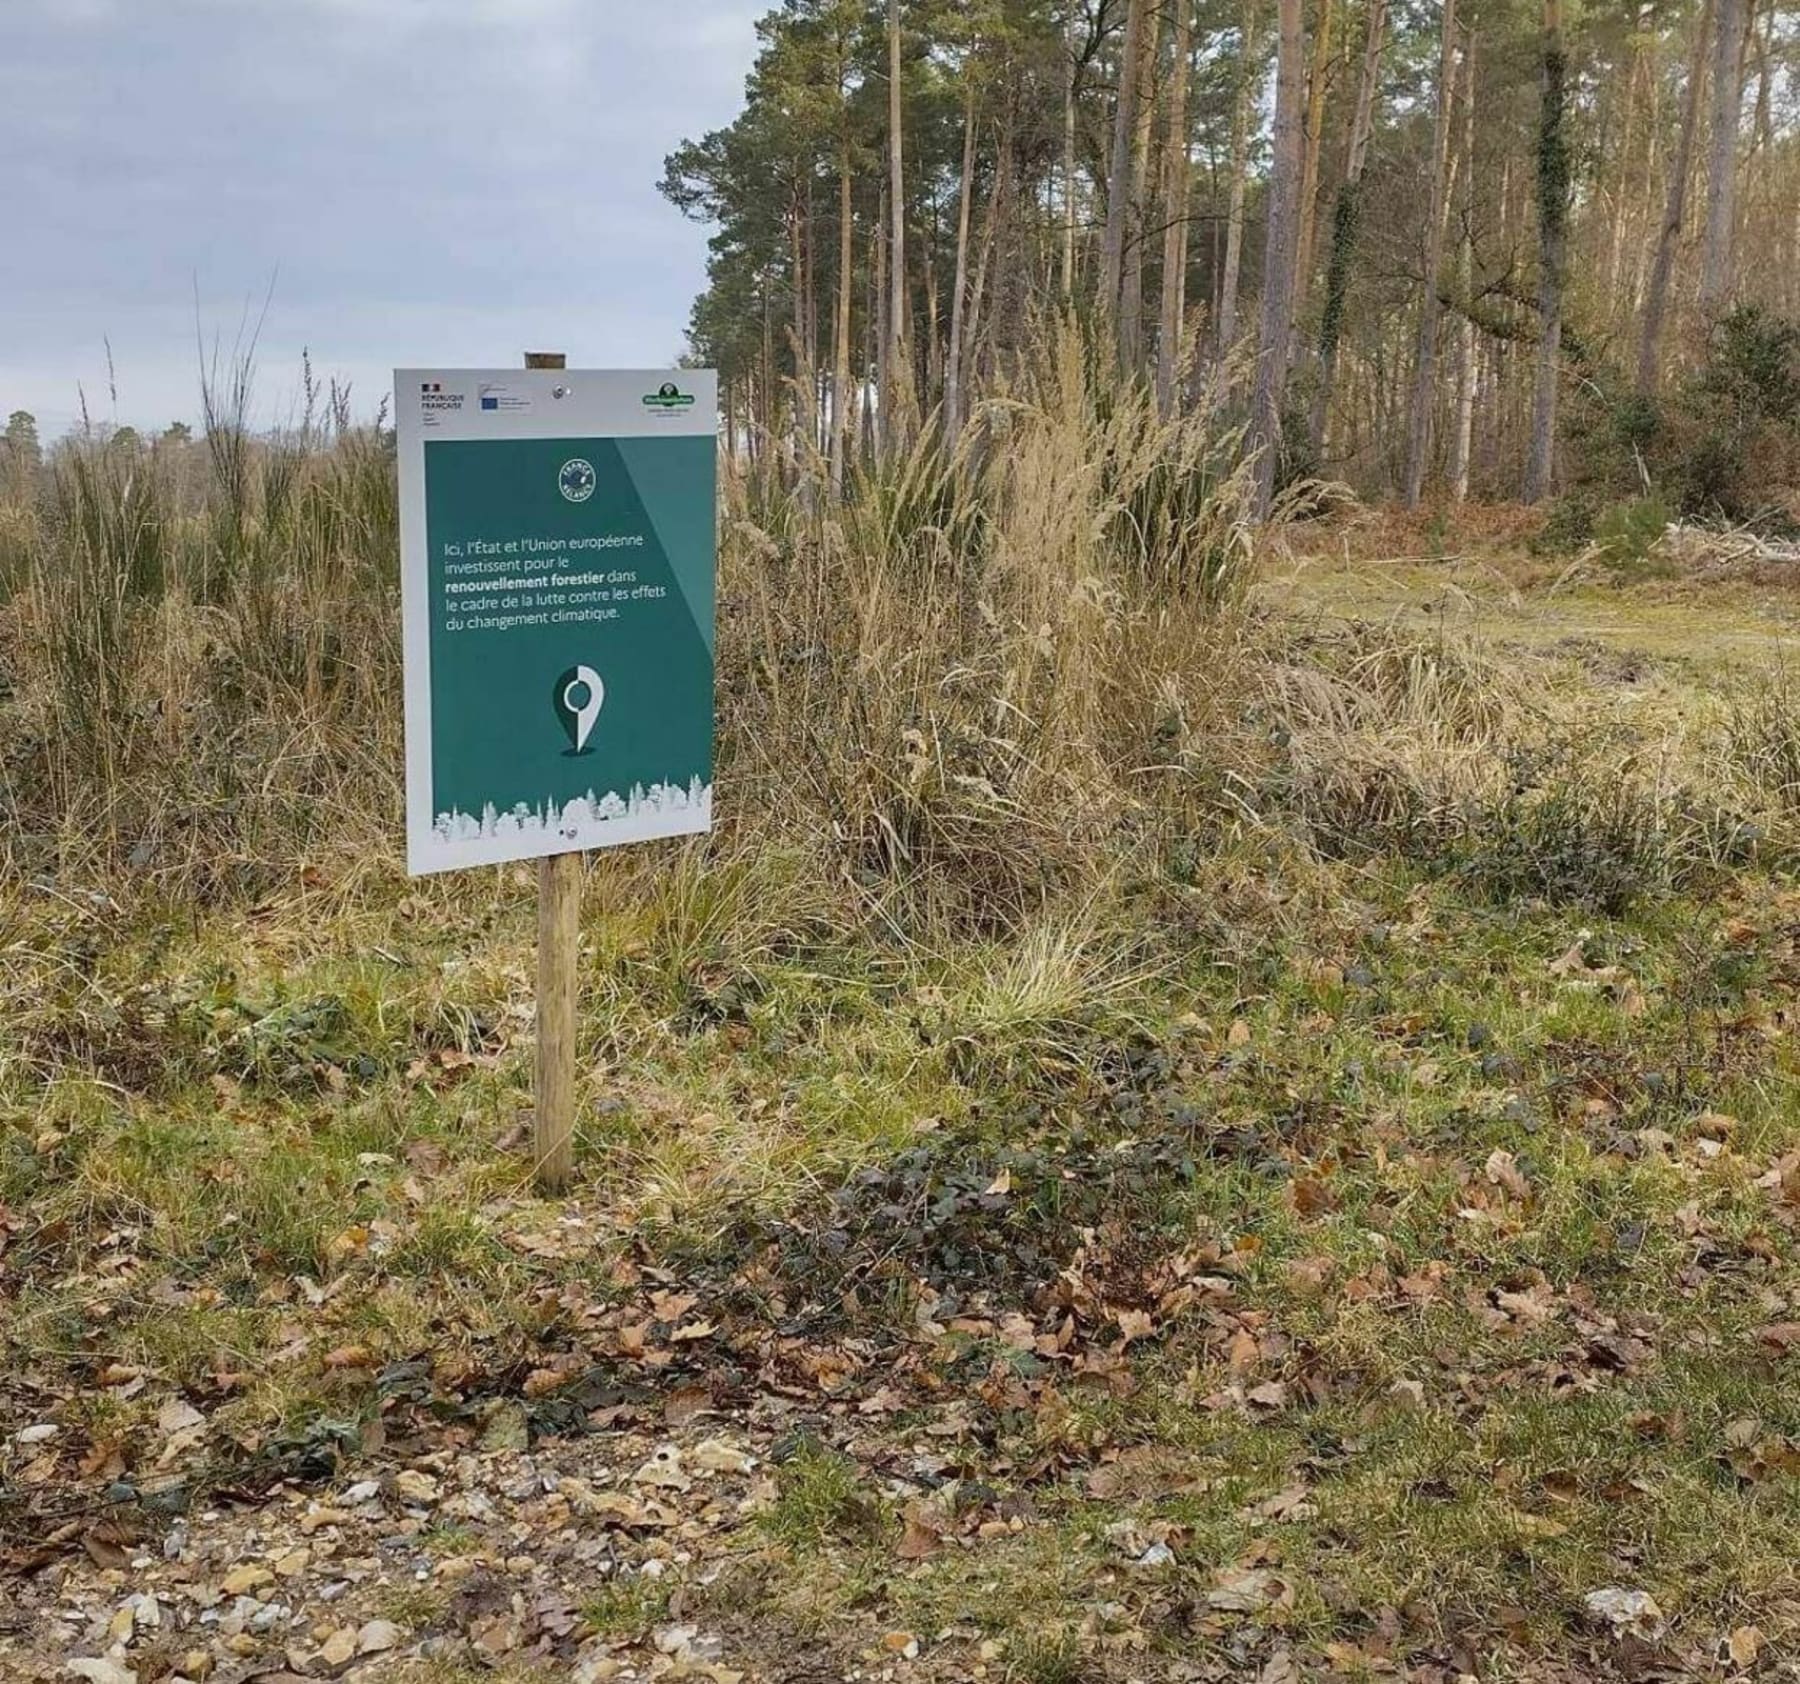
{"x":1376,"y":1261}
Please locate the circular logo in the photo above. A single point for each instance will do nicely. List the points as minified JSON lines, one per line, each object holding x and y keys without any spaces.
{"x":576,"y":480}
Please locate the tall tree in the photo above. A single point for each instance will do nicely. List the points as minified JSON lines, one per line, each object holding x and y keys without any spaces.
{"x":1347,"y":220}
{"x":1176,"y":172}
{"x":1656,"y":303}
{"x":913,"y":185}
{"x":1318,"y":81}
{"x":1721,"y":162}
{"x":842,"y":20}
{"x":22,"y":447}
{"x":1071,"y":93}
{"x":953,"y":364}
{"x":1418,"y":438}
{"x":1553,"y":184}
{"x":1225,"y":336}
{"x":1276,"y":323}
{"x":1461,"y":433}
{"x":1119,"y":172}
{"x":1131,"y":284}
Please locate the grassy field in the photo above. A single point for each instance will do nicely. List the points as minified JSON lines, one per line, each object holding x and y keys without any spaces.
{"x":1230,"y":1125}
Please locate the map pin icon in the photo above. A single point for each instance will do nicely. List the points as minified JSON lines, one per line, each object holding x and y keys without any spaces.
{"x":578,"y":696}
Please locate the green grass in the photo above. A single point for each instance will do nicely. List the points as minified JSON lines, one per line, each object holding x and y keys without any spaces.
{"x":820,"y":1499}
{"x":1413,"y":968}
{"x":627,"y":1607}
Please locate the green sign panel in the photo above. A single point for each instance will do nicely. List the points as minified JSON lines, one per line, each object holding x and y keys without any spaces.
{"x":558,"y":559}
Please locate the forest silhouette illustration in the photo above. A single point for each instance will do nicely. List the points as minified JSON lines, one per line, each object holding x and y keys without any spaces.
{"x":1218,"y":1101}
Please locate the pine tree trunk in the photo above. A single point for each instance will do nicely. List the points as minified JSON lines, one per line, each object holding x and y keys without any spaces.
{"x":803,"y":387}
{"x":881,"y":420}
{"x":1226,"y":335}
{"x":953,"y":363}
{"x":806,"y":350}
{"x":840,"y":361}
{"x":1553,"y":232}
{"x":897,"y":397}
{"x":1118,"y":175}
{"x":1721,"y":162}
{"x":1345,"y":222}
{"x":1175,"y":217}
{"x":934,"y":339}
{"x":1131,"y":285}
{"x":1068,"y":163}
{"x":1418,"y":435}
{"x":1315,"y":132}
{"x":996,"y":212}
{"x":1462,"y":436}
{"x":1276,"y":323}
{"x":1662,"y":270}
{"x":1762,"y":122}
{"x":1644,"y":214}
{"x":1615,"y":250}
{"x":766,"y":387}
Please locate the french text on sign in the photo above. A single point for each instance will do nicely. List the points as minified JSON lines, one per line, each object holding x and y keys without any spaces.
{"x":557,"y":567}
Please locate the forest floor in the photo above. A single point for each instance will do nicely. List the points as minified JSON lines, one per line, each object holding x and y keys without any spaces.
{"x":1405,"y":1288}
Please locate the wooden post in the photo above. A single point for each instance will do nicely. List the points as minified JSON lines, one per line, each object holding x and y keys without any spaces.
{"x":559,"y":944}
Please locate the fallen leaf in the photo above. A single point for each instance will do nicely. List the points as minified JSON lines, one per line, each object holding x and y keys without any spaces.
{"x":1289,"y":1503}
{"x":1135,"y":1324}
{"x":717,"y":1455}
{"x":1312,"y":1196}
{"x":919,"y":1540}
{"x":1744,"y":1645}
{"x":1502,"y":1169}
{"x":1779,"y":1337}
{"x":177,"y":1416}
{"x":687,"y":1403}
{"x":1247,"y":1590}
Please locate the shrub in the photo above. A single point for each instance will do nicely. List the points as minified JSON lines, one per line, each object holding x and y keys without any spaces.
{"x":1728,"y":443}
{"x":1626,"y":534}
{"x":1568,"y":526}
{"x":1752,"y":367}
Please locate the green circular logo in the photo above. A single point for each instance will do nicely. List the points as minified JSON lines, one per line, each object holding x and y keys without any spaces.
{"x":576,"y":480}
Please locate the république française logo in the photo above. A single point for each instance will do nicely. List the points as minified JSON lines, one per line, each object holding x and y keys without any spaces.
{"x":577,"y":697}
{"x":669,"y":396}
{"x":575,"y":479}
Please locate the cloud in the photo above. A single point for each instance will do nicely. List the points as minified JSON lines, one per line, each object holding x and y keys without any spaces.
{"x":428,"y":181}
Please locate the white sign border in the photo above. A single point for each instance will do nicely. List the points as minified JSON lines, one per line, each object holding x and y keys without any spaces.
{"x":574,"y":403}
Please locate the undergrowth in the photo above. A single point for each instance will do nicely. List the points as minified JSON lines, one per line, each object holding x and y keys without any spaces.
{"x":1084,"y":945}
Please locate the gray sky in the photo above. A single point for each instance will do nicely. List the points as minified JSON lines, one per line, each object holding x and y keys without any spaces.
{"x":427,"y":182}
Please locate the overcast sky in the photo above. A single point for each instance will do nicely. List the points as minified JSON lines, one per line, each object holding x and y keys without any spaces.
{"x":426,"y":182}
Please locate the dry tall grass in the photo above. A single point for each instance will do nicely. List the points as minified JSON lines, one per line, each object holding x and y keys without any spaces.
{"x":955,"y":683}
{"x":985,"y":683}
